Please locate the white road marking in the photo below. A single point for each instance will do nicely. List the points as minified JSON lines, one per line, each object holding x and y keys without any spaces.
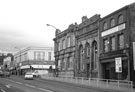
{"x":30,"y":85}
{"x":26,"y":85}
{"x":45,"y":90}
{"x":19,"y":82}
{"x":3,"y":90}
{"x":8,"y":86}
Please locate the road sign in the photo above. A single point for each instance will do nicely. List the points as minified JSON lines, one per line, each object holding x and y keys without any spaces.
{"x":118,"y":64}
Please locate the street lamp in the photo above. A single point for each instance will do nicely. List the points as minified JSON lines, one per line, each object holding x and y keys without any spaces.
{"x":56,"y":61}
{"x":57,"y":30}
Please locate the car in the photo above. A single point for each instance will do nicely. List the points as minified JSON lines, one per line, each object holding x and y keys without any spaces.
{"x":1,"y":74}
{"x":28,"y":75}
{"x":35,"y":74}
{"x":7,"y":74}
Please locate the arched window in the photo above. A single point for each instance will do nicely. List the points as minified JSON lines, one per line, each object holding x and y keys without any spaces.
{"x":105,"y":26}
{"x":94,"y":55}
{"x":81,"y":52}
{"x":120,"y":19}
{"x":112,"y":23}
{"x":87,"y":50}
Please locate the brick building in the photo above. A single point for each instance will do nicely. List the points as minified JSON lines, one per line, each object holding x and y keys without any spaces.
{"x":87,"y":47}
{"x":117,"y":35}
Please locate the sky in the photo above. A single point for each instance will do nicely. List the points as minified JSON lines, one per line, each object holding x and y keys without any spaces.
{"x":23,"y":22}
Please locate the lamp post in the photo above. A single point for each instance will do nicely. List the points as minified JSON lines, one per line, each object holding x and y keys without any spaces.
{"x":57,"y":30}
{"x":19,"y":58}
{"x":56,"y":61}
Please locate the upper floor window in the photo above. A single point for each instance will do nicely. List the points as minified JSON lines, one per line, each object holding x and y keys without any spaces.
{"x":121,"y":41}
{"x":113,"y":47}
{"x":112,"y":23}
{"x":106,"y":45}
{"x":39,"y":55}
{"x":63,"y":44}
{"x":49,"y":55}
{"x":105,"y":26}
{"x":68,"y":41}
{"x":120,"y":19}
{"x":73,"y":40}
{"x":87,"y":50}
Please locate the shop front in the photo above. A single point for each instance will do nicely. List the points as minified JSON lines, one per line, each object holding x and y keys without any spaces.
{"x":112,"y":71}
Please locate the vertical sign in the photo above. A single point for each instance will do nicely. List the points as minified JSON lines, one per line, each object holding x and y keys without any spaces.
{"x":118,"y":65}
{"x":134,"y":54}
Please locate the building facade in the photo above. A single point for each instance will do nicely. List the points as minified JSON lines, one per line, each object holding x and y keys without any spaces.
{"x":37,"y":58}
{"x":86,"y":64}
{"x":117,"y":31}
{"x":65,"y":51}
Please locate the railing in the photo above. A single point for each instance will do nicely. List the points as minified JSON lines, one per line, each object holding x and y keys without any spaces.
{"x":118,"y":85}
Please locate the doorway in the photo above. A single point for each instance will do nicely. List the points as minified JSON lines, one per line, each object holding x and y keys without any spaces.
{"x":88,"y":70}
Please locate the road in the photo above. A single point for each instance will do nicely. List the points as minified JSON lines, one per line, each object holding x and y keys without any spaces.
{"x":18,"y":84}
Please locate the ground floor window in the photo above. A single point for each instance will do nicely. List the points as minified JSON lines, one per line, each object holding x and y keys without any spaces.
{"x":110,"y":73}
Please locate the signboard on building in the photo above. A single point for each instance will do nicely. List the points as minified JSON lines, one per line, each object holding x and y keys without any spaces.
{"x":134,"y":54}
{"x":118,"y":64}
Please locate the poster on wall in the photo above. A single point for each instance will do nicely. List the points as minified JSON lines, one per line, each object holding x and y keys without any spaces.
{"x":118,"y":65}
{"x":134,"y":54}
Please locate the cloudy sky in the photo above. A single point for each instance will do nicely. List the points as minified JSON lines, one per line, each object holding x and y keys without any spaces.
{"x":23,"y":22}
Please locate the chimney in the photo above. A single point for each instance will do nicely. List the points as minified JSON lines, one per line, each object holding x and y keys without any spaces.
{"x":84,"y":18}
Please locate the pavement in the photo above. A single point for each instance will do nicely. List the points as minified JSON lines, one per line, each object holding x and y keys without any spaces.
{"x":92,"y":84}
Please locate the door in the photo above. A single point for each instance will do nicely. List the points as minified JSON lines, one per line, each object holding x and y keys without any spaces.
{"x":88,"y":70}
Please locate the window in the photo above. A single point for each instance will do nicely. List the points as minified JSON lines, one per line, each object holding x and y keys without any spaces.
{"x":81,"y":54}
{"x":106,"y":44}
{"x":120,"y":19}
{"x":39,"y":55}
{"x":63,"y":44}
{"x":112,"y":23}
{"x":68,"y":41}
{"x":87,"y":50}
{"x":121,"y":41}
{"x":112,"y":43}
{"x":105,"y":26}
{"x":64,"y":64}
{"x":49,"y":55}
{"x":73,"y":40}
{"x":70,"y":63}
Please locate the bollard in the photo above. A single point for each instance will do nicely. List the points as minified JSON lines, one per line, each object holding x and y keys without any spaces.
{"x":118,"y":85}
{"x":82,"y":80}
{"x":107,"y":83}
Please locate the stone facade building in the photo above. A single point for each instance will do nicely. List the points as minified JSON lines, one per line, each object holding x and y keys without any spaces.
{"x":117,"y":35}
{"x":37,"y":58}
{"x":65,"y":51}
{"x":86,"y":64}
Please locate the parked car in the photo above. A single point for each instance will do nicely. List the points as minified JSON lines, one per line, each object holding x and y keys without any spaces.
{"x":6,"y":74}
{"x":35,"y":74}
{"x":1,"y":74}
{"x":28,"y":75}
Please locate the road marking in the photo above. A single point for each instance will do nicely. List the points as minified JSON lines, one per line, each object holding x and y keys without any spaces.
{"x":45,"y":90}
{"x":8,"y":86}
{"x":3,"y":90}
{"x":30,"y":85}
{"x":19,"y":82}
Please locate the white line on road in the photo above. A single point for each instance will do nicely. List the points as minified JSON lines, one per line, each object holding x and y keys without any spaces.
{"x":8,"y":86}
{"x":19,"y":82}
{"x":3,"y":90}
{"x":45,"y":90}
{"x":30,"y":85}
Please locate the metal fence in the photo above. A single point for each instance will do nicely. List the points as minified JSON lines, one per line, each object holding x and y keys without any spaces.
{"x":117,"y":85}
